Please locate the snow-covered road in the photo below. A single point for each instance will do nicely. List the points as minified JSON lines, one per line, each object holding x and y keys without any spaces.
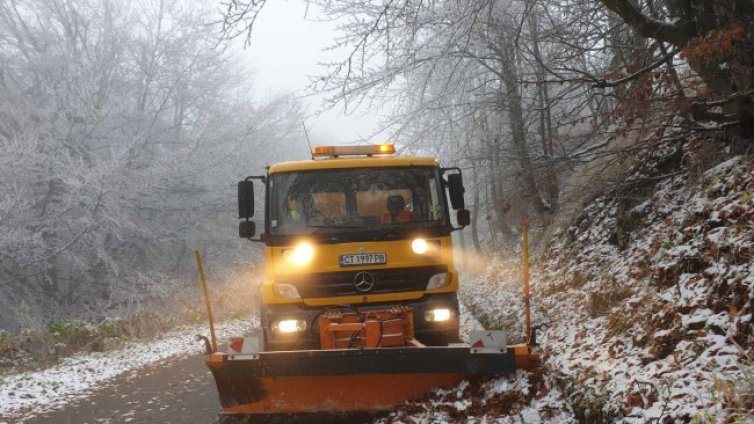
{"x":29,"y":395}
{"x":26,"y":395}
{"x":173,"y":385}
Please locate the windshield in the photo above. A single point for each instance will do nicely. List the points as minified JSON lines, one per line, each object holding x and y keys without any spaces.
{"x":376,"y":200}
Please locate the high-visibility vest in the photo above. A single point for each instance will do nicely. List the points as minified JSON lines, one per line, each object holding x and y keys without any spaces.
{"x":402,"y":217}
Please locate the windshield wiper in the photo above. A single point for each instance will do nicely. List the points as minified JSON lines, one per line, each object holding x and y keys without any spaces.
{"x":335,"y":226}
{"x":391,"y":233}
{"x":320,"y":229}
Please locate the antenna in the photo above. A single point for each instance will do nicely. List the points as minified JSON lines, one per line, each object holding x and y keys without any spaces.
{"x":306,"y":133}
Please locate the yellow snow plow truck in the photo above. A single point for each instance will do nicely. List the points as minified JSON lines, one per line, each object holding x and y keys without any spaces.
{"x":359,"y":300}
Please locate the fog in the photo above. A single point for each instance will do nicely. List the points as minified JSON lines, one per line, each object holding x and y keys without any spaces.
{"x":125,"y":125}
{"x":291,"y":44}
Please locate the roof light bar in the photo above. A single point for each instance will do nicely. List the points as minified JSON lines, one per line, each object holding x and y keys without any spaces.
{"x":376,"y":149}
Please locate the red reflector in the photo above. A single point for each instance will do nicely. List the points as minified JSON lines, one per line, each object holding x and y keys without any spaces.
{"x":478,"y":344}
{"x":236,"y":344}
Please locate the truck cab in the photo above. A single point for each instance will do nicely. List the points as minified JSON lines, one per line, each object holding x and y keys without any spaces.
{"x":359,"y":228}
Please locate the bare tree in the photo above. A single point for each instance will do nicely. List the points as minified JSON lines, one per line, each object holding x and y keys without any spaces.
{"x":122,"y":130}
{"x":523,"y":91}
{"x":716,"y":40}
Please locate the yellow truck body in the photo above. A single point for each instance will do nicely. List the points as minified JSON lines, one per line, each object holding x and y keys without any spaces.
{"x":359,"y":280}
{"x":367,"y":231}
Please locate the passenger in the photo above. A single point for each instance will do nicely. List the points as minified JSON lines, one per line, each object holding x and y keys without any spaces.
{"x":313,"y":216}
{"x":397,"y":212}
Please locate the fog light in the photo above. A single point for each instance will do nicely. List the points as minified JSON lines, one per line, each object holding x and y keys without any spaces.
{"x":437,"y":315}
{"x":300,"y":255}
{"x":287,"y":291}
{"x":289,"y":326}
{"x":438,"y":280}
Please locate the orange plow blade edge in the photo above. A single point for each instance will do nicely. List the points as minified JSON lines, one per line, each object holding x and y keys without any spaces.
{"x":344,"y":380}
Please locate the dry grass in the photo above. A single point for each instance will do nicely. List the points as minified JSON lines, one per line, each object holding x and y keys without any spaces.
{"x":570,"y":281}
{"x":233,"y":297}
{"x":589,"y":179}
{"x":609,"y":295}
{"x":740,"y":398}
{"x":8,"y":345}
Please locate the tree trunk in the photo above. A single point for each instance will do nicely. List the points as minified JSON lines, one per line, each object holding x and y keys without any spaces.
{"x":692,"y":20}
{"x":550,"y":177}
{"x":475,"y":216}
{"x":510,"y":96}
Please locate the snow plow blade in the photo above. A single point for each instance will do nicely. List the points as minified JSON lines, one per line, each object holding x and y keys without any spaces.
{"x":344,"y":380}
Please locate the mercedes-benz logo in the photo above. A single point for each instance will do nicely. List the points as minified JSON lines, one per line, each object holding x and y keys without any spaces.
{"x":364,"y":282}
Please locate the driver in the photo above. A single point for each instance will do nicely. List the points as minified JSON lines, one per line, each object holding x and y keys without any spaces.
{"x":397,"y":212}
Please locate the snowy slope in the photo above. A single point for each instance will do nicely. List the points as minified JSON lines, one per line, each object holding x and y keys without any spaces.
{"x":523,"y":397}
{"x":648,"y":304}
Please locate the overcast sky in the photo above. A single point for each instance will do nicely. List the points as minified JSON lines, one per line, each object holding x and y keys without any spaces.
{"x":285,"y":49}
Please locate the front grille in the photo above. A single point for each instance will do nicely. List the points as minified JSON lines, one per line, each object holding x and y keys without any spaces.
{"x":395,"y":280}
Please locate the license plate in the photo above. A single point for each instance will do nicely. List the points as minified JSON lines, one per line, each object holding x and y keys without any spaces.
{"x":363,"y":259}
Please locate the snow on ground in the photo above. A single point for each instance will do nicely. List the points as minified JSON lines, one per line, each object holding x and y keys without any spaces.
{"x":642,"y":303}
{"x":521,"y":398}
{"x":524,"y":397}
{"x":468,"y":323}
{"x":647,"y":303}
{"x":36,"y":392}
{"x":495,"y":297}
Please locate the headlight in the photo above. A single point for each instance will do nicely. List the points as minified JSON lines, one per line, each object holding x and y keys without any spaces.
{"x":419,"y":246}
{"x":300,"y":255}
{"x":440,"y":314}
{"x":438,"y":280}
{"x":289,"y":326}
{"x":424,"y":247}
{"x":287,"y":291}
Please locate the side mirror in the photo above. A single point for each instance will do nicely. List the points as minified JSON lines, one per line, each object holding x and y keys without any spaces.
{"x":456,"y":190}
{"x":463,"y":217}
{"x":246,"y":229}
{"x":245,"y":199}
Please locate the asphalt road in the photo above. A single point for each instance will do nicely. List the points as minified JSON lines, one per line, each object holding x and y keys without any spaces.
{"x":177,"y":390}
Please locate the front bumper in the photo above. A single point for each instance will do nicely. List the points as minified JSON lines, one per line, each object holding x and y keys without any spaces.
{"x":426,"y":331}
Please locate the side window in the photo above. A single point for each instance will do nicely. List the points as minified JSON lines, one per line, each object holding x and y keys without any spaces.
{"x":435,"y":205}
{"x":273,"y":199}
